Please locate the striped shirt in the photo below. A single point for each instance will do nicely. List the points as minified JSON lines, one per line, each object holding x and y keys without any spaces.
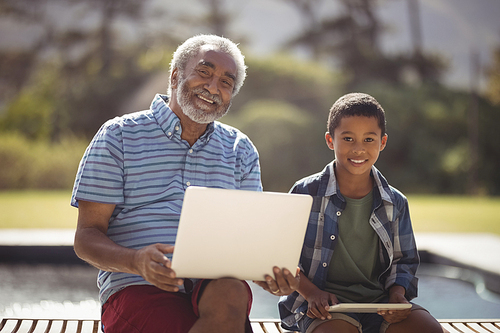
{"x":390,"y":219}
{"x":139,"y":163}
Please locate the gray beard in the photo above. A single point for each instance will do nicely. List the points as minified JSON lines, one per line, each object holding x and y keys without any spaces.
{"x":199,"y":115}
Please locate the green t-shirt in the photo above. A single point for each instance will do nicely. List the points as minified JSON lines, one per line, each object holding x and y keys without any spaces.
{"x":355,"y":265}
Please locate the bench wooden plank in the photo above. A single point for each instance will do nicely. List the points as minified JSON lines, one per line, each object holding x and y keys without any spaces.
{"x":266,"y":327}
{"x":494,"y":328}
{"x":464,"y":327}
{"x":449,"y":328}
{"x":20,"y":325}
{"x":478,"y":328}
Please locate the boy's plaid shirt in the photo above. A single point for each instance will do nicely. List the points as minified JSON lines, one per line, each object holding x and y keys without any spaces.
{"x":390,"y":219}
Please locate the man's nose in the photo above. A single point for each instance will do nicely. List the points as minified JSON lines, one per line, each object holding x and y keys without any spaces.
{"x":211,"y":85}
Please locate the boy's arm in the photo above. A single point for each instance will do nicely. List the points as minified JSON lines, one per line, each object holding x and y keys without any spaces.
{"x":406,"y":260}
{"x":319,"y":301}
{"x":396,"y":295}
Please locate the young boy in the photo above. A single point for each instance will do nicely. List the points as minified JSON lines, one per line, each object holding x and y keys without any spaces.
{"x":359,"y":245}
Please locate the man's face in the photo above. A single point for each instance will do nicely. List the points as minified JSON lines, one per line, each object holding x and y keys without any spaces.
{"x":205,"y":89}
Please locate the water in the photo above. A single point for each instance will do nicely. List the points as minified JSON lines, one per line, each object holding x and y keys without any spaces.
{"x":69,"y":291}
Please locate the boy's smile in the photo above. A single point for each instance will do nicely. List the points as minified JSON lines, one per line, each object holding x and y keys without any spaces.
{"x":357,"y":142}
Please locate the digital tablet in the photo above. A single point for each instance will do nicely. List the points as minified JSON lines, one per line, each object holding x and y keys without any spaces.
{"x":367,"y":307}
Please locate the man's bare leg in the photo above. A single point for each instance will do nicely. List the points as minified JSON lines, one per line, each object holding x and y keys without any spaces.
{"x":222,"y":308}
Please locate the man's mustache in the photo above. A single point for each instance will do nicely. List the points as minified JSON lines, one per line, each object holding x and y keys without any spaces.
{"x":204,"y":93}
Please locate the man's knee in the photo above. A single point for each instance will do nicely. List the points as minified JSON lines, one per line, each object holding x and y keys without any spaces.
{"x":226,"y":292}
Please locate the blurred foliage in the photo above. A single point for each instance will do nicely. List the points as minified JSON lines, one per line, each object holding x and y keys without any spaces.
{"x":288,"y":139}
{"x":71,"y":81}
{"x":493,"y":90}
{"x":26,"y":164}
{"x":350,"y":36}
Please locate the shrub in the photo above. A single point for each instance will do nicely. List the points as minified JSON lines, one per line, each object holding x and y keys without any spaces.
{"x":26,"y":164}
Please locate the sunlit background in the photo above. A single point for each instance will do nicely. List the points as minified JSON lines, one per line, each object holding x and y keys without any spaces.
{"x":67,"y":66}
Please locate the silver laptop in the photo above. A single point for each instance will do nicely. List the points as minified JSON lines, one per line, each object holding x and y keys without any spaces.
{"x":239,"y":234}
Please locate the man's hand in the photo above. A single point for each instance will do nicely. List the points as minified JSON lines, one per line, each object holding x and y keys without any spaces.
{"x":396,"y":295}
{"x":284,"y":283}
{"x":151,"y":263}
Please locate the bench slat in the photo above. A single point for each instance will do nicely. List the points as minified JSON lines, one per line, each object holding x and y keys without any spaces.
{"x":18,"y":325}
{"x":478,"y":328}
{"x":492,"y":327}
{"x":449,"y":328}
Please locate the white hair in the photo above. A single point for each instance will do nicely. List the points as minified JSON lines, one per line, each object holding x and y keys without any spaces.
{"x":191,"y":47}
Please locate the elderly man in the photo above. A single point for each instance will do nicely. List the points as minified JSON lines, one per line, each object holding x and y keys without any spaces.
{"x":130,"y":186}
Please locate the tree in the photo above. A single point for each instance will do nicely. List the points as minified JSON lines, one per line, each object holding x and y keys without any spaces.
{"x":85,"y":60}
{"x":352,"y":38}
{"x":493,"y":88}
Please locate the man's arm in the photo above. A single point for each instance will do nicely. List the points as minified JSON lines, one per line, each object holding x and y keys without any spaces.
{"x":94,"y":246}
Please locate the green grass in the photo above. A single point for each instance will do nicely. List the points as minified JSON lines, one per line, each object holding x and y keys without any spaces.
{"x":433,"y":213}
{"x":429,"y":213}
{"x":37,"y":209}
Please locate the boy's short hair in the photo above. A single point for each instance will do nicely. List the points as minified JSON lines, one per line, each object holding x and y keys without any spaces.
{"x":355,"y":104}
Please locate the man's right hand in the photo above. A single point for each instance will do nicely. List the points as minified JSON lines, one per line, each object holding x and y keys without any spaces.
{"x":152,"y":264}
{"x":94,"y":246}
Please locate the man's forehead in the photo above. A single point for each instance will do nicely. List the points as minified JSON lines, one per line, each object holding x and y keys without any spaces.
{"x":216,"y":59}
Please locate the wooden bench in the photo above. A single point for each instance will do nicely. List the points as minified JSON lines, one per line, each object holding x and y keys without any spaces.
{"x":18,"y":325}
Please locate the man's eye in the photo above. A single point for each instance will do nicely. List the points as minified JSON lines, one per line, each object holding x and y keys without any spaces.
{"x":228,"y":83}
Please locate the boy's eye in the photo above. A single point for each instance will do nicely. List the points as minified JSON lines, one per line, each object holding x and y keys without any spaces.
{"x":347,"y":139}
{"x":369,"y":140}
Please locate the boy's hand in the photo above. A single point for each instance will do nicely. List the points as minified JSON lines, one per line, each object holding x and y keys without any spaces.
{"x":319,"y":303}
{"x":396,"y":295}
{"x":284,"y":283}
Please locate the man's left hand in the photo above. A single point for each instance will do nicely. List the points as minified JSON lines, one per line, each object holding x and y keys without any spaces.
{"x":283,"y":283}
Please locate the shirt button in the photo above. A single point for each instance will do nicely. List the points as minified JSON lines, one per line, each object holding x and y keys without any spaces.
{"x":190,"y":151}
{"x":332,"y":237}
{"x":169,"y":133}
{"x":188,"y":183}
{"x":339,"y":213}
{"x":176,"y":128}
{"x":324,"y":264}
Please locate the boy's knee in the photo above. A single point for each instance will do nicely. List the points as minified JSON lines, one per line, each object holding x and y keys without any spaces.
{"x":418,"y":321}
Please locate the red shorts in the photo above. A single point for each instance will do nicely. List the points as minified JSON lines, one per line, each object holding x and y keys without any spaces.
{"x":146,"y":308}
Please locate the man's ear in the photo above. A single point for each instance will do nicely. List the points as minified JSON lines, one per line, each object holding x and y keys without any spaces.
{"x":383,"y":142}
{"x":329,"y":141}
{"x":174,"y":78}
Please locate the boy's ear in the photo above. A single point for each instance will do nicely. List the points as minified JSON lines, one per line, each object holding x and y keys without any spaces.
{"x":383,"y":142}
{"x":329,"y":141}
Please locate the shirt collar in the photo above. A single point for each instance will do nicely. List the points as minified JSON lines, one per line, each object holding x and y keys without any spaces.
{"x":380,"y":183}
{"x":168,"y":120}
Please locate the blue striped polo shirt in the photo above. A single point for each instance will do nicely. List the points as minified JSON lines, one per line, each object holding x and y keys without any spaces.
{"x":139,"y":163}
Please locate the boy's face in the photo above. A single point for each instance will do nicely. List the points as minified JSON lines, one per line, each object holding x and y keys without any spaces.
{"x":357,"y":143}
